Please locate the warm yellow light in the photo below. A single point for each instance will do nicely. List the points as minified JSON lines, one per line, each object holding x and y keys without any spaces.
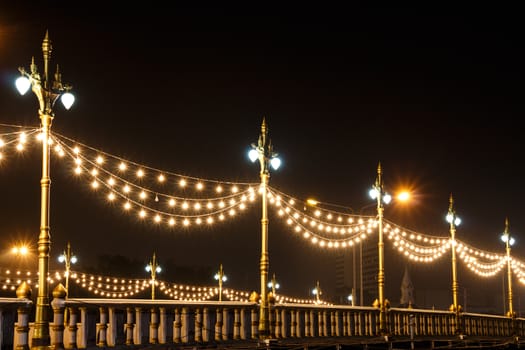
{"x":403,"y":196}
{"x":161,"y":178}
{"x":100,"y":160}
{"x":172,"y":202}
{"x":312,"y":201}
{"x":140,"y":173}
{"x":122,"y":166}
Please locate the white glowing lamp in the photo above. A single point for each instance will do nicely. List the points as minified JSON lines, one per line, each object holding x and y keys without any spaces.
{"x":452,"y":218}
{"x":157,"y":269}
{"x":67,"y":99}
{"x":276,"y":286}
{"x":217,"y":277}
{"x":506,"y":238}
{"x":373,"y":193}
{"x":253,"y":154}
{"x":275,"y":163}
{"x":22,"y":85}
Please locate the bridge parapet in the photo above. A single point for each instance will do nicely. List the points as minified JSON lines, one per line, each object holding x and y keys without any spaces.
{"x":103,"y":323}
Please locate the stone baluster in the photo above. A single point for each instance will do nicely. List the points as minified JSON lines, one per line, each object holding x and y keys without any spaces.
{"x":206,"y":325}
{"x":177,"y":327}
{"x":226,"y":321}
{"x":185,"y":329}
{"x":21,"y":338}
{"x":255,"y":324}
{"x":218,"y":325}
{"x":138,"y":330}
{"x":70,"y":333}
{"x":198,"y":325}
{"x":82,"y":328}
{"x":154,"y":326}
{"x":56,"y":329}
{"x":102,"y":326}
{"x":112,"y":327}
{"x":128,"y":327}
{"x":236,"y":324}
{"x":163,"y":326}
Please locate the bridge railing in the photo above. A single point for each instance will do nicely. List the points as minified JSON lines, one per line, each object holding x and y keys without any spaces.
{"x":91,"y":323}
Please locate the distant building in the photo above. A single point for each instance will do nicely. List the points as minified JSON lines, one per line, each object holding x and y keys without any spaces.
{"x":407,"y":291}
{"x":356,"y":269}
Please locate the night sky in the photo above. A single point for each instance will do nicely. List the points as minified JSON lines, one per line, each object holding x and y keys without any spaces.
{"x":433,"y":93}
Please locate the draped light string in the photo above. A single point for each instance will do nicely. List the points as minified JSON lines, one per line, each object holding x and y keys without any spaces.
{"x":175,"y":199}
{"x":157,"y":195}
{"x":11,"y":279}
{"x":416,"y":246}
{"x":322,"y":227}
{"x":518,"y":267}
{"x":14,"y":137}
{"x":118,"y":288}
{"x":482,"y":263}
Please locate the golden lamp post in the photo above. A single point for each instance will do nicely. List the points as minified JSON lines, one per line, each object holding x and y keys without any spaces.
{"x":67,"y":259}
{"x":509,"y":241}
{"x":263,"y":151}
{"x":454,"y":221}
{"x":274,"y":285}
{"x":47,"y":92}
{"x":377,"y":192}
{"x":221,"y":277}
{"x":153,"y":268}
{"x":317,"y":292}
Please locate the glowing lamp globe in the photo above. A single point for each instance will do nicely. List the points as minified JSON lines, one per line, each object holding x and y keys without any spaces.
{"x":253,"y":154}
{"x":275,"y":163}
{"x":67,"y":99}
{"x":22,"y":85}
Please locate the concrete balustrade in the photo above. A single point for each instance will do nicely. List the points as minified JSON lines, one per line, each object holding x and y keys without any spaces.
{"x":106,"y":323}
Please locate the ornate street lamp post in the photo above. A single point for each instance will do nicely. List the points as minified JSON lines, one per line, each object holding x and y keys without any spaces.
{"x":221,"y":277}
{"x":263,"y":151}
{"x":47,"y":93}
{"x":377,"y":192}
{"x":67,"y":259}
{"x":317,"y":292}
{"x":509,"y":241}
{"x":153,"y":268}
{"x":454,"y":221}
{"x":274,"y":285}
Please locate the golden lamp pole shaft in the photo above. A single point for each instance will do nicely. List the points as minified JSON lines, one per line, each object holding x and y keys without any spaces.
{"x":455,"y":305}
{"x":509,"y":268}
{"x":264,"y":330}
{"x":41,"y":333}
{"x":381,"y":253}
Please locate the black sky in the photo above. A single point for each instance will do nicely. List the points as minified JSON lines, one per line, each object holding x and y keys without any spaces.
{"x":433,"y":93}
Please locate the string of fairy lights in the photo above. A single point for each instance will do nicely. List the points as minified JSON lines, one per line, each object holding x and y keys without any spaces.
{"x":175,"y":200}
{"x":118,"y":287}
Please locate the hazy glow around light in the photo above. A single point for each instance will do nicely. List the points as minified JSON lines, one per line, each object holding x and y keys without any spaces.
{"x":403,"y":196}
{"x":22,"y":85}
{"x":253,"y":154}
{"x":276,"y":163}
{"x":67,"y":99}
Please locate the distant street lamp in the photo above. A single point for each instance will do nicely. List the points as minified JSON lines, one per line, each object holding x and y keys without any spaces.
{"x":263,"y":151}
{"x":274,"y":285}
{"x":47,"y":92}
{"x":20,"y":250}
{"x":509,"y":241}
{"x":454,"y":221}
{"x":350,"y":299}
{"x":221,"y":277}
{"x":317,"y":292}
{"x":67,"y":259}
{"x":377,"y":192}
{"x":153,"y":268}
